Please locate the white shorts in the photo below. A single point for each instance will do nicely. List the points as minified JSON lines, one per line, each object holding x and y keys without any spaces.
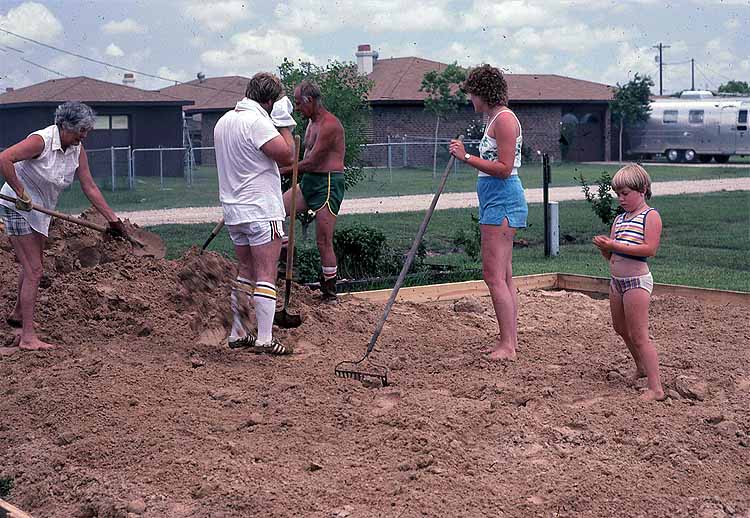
{"x":256,"y":233}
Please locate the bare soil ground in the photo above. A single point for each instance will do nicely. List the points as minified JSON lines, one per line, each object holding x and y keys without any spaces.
{"x":144,"y":411}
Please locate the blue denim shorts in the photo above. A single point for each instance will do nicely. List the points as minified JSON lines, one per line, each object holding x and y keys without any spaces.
{"x":502,"y":198}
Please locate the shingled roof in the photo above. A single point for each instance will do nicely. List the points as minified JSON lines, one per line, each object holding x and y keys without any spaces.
{"x":399,"y":79}
{"x":211,"y":94}
{"x":83,"y":89}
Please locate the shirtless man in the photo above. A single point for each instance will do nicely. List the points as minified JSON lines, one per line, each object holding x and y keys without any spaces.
{"x":321,"y":189}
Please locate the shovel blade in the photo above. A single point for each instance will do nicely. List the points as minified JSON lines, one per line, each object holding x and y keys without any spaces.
{"x":287,"y":320}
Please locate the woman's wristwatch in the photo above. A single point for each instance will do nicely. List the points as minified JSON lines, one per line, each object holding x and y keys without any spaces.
{"x":467,"y":156}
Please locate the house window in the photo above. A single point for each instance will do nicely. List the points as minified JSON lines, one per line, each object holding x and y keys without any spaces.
{"x":670,"y":117}
{"x":742,"y":117}
{"x":695,"y":116}
{"x":101,"y":122}
{"x":115,"y":122}
{"x":119,"y":122}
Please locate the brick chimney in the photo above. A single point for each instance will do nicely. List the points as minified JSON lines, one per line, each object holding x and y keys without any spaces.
{"x":366,"y":58}
{"x":9,"y":89}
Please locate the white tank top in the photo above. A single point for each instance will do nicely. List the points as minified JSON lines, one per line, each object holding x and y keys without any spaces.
{"x":488,"y":145}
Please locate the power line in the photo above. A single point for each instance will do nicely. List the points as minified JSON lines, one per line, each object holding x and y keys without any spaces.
{"x":111,"y":65}
{"x":43,"y":67}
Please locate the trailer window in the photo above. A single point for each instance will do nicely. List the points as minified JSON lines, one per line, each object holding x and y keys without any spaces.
{"x":695,"y":117}
{"x":742,"y":117}
{"x":670,"y":117}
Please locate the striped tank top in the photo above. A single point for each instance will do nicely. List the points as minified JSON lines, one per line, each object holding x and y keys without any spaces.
{"x":631,"y":231}
{"x":488,"y":145}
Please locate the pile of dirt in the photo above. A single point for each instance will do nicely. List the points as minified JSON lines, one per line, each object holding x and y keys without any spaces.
{"x":144,"y":411}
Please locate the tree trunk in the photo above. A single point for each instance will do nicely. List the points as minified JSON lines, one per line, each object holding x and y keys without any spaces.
{"x":434,"y":154}
{"x":621,"y":124}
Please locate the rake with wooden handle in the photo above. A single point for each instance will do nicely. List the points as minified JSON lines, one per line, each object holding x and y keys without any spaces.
{"x":357,"y":369}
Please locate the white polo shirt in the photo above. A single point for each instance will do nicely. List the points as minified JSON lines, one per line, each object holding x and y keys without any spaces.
{"x":45,"y":177}
{"x":249,"y":181}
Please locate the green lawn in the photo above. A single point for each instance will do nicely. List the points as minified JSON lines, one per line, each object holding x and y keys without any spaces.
{"x":378,"y":182}
{"x":706,"y":241}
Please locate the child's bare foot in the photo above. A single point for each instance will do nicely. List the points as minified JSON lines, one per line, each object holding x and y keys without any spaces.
{"x":653,"y":395}
{"x":502,"y":353}
{"x":35,"y":344}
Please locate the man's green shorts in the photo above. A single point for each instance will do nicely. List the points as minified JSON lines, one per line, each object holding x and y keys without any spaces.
{"x":323,"y":190}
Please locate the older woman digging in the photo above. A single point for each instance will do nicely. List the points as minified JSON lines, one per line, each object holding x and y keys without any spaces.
{"x":36,"y":170}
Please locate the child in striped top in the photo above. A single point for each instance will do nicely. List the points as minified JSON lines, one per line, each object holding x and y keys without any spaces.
{"x":634,"y":237}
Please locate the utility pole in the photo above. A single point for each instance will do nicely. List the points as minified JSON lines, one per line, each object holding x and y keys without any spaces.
{"x":692,"y":74}
{"x":660,"y":46}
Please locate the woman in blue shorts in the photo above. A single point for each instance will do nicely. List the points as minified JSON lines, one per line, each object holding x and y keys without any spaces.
{"x":502,"y":204}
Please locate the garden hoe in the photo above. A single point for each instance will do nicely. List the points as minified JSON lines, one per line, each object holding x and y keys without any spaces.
{"x":358,"y":370}
{"x":283,"y":318}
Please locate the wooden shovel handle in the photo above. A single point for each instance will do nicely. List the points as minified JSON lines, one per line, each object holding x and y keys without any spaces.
{"x":293,"y":212}
{"x":60,"y":215}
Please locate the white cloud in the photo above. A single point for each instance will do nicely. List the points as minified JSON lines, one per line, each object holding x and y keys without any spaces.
{"x":629,"y":61}
{"x":177,"y":75}
{"x":576,"y":38}
{"x":253,"y":51}
{"x":733,"y":24}
{"x":509,"y":14}
{"x":32,"y":20}
{"x":126,"y":26}
{"x":376,"y":16}
{"x":217,"y":16}
{"x":114,"y":51}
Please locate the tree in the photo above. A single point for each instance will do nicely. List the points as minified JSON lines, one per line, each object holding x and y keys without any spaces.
{"x":443,"y":97}
{"x":631,"y":102}
{"x":344,"y":94}
{"x":735,"y":87}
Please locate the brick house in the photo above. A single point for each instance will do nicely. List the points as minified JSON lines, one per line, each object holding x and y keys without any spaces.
{"x":547,"y":105}
{"x":125,"y":116}
{"x":212,"y":98}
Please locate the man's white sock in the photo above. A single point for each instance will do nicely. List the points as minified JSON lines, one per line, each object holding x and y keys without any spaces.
{"x":329,"y":272}
{"x":265,"y":307}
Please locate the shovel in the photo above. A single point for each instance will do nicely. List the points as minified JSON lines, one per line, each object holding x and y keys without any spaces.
{"x":283,"y":318}
{"x":73,"y":219}
{"x":214,"y":233}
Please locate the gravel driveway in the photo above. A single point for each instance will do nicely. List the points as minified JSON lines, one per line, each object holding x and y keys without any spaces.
{"x":454,"y":200}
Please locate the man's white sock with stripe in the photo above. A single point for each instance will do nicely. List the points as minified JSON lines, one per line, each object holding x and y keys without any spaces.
{"x":265,"y":307}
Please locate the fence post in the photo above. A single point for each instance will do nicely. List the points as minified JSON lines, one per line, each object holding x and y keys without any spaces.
{"x":112,"y":150}
{"x":403,"y":148}
{"x":131,"y":168}
{"x":545,"y":202}
{"x":161,"y":168}
{"x":390,"y":160}
{"x":406,"y":162}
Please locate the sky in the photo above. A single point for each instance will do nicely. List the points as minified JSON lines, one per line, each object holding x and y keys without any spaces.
{"x":599,"y":40}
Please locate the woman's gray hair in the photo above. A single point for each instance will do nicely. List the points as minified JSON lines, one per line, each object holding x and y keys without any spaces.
{"x":75,"y":116}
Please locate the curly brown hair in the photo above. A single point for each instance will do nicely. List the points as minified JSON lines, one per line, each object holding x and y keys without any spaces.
{"x":488,"y":83}
{"x":264,"y":87}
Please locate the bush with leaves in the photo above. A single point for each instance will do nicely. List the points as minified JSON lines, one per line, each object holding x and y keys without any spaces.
{"x":470,"y":240}
{"x":602,"y":203}
{"x":362,"y":252}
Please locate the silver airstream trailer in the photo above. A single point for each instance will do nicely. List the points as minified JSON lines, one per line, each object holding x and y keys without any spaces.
{"x":693,"y":127}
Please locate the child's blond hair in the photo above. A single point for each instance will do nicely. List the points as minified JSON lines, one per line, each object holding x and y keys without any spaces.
{"x":633,"y":177}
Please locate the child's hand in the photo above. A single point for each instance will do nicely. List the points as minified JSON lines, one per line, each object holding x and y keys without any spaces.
{"x":604,"y":243}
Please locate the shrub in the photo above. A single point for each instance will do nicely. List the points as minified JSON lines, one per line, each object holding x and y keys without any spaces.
{"x":471,"y":240}
{"x":602,"y":203}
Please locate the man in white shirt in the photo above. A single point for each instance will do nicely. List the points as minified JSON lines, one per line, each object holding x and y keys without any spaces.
{"x":250,"y":146}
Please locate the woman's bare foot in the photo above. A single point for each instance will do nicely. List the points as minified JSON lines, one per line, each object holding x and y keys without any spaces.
{"x":653,"y":395}
{"x":636,"y":375}
{"x":501,"y":352}
{"x":35,"y":344}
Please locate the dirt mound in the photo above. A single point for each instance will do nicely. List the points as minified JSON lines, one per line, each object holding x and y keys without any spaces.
{"x":144,"y":411}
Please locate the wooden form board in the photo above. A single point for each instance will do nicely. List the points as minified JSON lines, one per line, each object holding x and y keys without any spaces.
{"x":564,"y":281}
{"x":11,"y":511}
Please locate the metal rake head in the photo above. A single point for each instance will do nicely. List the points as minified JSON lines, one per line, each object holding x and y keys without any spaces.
{"x":356,"y":371}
